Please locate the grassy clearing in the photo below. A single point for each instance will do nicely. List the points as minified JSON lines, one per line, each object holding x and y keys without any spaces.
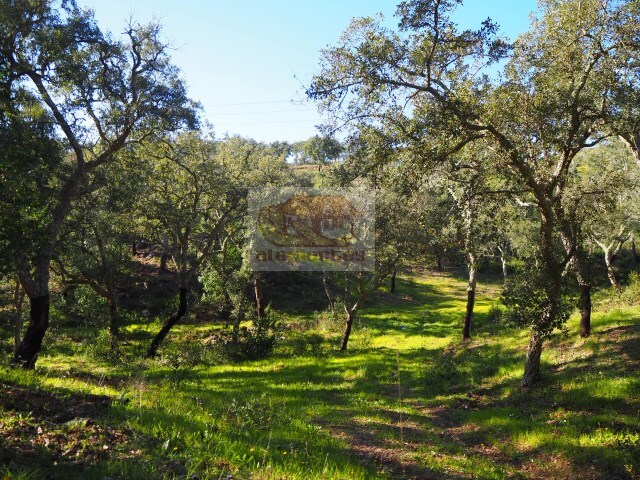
{"x":407,"y":400}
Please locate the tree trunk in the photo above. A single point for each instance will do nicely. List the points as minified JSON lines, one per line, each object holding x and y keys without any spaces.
{"x":239,"y":317}
{"x":27,"y":352}
{"x":393,"y":281}
{"x":581,"y":269}
{"x":585,"y":310}
{"x":114,"y":321}
{"x":608,"y":260}
{"x":544,"y":324}
{"x":257,"y":288}
{"x":634,"y":252}
{"x":551,"y":271}
{"x":163,"y":262}
{"x":110,"y":294}
{"x":580,"y":266}
{"x":134,"y":250}
{"x":182,"y":309}
{"x":18,"y":302}
{"x":327,"y":291}
{"x":611,"y":251}
{"x":633,"y":142}
{"x":503,"y":260}
{"x":350,"y":315}
{"x":532,"y":364}
{"x":469,"y":244}
{"x":471,"y":299}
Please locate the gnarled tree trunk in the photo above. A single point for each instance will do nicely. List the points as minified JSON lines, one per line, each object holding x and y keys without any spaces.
{"x":580,"y":268}
{"x":532,"y":363}
{"x":609,"y":258}
{"x":114,"y":319}
{"x":179,"y":313}
{"x":257,"y":289}
{"x":471,"y":297}
{"x":18,"y":303}
{"x":348,"y":323}
{"x":29,"y":348}
{"x":503,"y":260}
{"x":328,"y":293}
{"x":36,"y":286}
{"x":551,"y":273}
{"x":611,"y":251}
{"x":585,"y":310}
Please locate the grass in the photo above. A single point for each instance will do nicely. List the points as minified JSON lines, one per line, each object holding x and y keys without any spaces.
{"x":407,"y":400}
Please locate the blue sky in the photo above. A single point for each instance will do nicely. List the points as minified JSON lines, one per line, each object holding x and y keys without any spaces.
{"x":248,"y":61}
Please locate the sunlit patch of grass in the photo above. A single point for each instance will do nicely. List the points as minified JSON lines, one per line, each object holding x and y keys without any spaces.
{"x":531,"y":440}
{"x":458,"y":408}
{"x":408,"y":341}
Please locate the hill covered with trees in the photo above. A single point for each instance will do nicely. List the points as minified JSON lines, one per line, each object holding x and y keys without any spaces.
{"x":139,"y":340}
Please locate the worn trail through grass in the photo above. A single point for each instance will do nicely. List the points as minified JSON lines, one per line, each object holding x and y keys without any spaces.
{"x":407,"y":400}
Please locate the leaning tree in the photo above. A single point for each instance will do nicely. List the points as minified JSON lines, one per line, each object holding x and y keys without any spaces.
{"x":429,"y":83}
{"x":102,"y":94}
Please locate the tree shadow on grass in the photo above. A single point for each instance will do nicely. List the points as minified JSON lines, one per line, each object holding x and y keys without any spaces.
{"x":340,"y":393}
{"x":58,"y":434}
{"x":576,"y":424}
{"x":57,"y":407}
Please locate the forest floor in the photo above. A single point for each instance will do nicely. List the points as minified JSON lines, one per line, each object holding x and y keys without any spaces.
{"x":406,"y":400}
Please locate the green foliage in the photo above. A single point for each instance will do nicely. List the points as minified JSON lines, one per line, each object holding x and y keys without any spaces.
{"x":30,"y":160}
{"x":496,"y":314}
{"x":254,"y":413}
{"x":300,"y":417}
{"x":59,"y":38}
{"x":240,"y":342}
{"x":214,"y":287}
{"x":304,"y":343}
{"x":258,"y":340}
{"x":223,"y":278}
{"x":430,"y":134}
{"x":104,"y":347}
{"x":82,"y":306}
{"x":526,"y":298}
{"x":631,"y":293}
{"x":6,"y":473}
{"x":428,"y":92}
{"x":317,"y":151}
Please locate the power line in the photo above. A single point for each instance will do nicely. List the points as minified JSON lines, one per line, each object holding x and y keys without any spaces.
{"x":250,"y":103}
{"x":219,"y":125}
{"x":261,"y":112}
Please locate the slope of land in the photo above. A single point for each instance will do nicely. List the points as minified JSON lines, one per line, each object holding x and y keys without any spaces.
{"x":407,"y":400}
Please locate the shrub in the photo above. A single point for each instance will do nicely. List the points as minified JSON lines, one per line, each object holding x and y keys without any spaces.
{"x":259,"y":340}
{"x":495,"y":314}
{"x":257,"y":413}
{"x":102,"y":346}
{"x":80,"y":305}
{"x":254,"y":342}
{"x":631,"y":293}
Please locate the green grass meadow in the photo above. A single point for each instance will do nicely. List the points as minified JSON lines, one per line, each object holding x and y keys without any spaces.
{"x":407,"y":400}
